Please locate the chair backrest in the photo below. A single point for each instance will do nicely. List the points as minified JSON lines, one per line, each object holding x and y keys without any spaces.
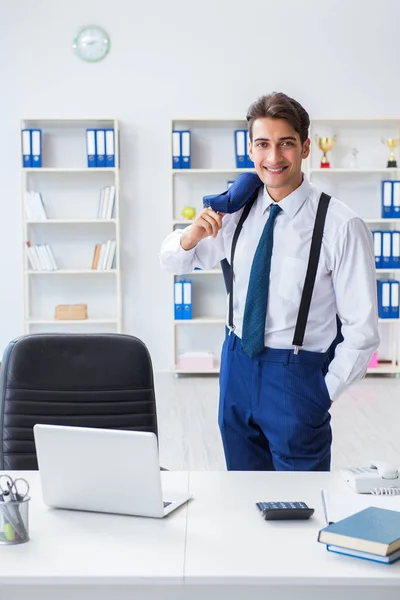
{"x":88,"y":380}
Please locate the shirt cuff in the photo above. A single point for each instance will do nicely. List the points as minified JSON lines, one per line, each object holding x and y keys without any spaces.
{"x":181,"y":250}
{"x":334,"y":385}
{"x":173,"y":245}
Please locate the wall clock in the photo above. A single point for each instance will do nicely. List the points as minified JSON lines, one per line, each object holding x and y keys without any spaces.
{"x":91,"y":43}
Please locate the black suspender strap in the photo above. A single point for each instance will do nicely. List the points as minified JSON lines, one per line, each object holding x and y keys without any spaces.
{"x":238,"y":229}
{"x":315,"y":251}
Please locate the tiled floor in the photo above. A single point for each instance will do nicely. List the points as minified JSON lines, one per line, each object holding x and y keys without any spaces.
{"x":365,"y":422}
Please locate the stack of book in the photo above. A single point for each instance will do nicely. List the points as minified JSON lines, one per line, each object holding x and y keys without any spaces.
{"x":181,"y":149}
{"x":31,"y":148}
{"x":41,"y":257}
{"x":243,"y":160}
{"x":100,"y":148}
{"x":388,"y":298}
{"x":104,"y":256}
{"x":371,"y":534}
{"x":183,"y":300}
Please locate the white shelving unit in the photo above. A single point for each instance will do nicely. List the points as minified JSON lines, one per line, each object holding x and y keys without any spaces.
{"x":213,"y":161}
{"x":70,"y":192}
{"x":213,"y":165}
{"x":360,"y":188}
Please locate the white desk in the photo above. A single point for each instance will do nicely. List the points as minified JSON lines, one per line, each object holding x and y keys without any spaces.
{"x":91,"y":551}
{"x":230,"y":546}
{"x":216,"y":547}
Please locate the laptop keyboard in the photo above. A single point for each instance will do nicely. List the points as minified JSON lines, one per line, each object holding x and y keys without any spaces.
{"x":167,"y":504}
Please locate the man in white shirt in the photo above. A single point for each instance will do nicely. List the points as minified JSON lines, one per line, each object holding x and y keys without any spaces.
{"x":275,"y":400}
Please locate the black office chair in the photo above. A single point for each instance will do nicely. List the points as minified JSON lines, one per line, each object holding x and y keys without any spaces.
{"x":92,"y":380}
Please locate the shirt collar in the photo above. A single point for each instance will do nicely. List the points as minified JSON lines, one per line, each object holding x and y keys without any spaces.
{"x":292,"y":203}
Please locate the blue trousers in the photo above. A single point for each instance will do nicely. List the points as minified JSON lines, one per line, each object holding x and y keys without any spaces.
{"x":274,"y":409}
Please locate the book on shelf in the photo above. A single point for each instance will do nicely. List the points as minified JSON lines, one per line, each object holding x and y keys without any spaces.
{"x":31,"y":148}
{"x":373,"y":530}
{"x":100,"y":148}
{"x":104,"y":256}
{"x":41,"y":257}
{"x":105,"y":208}
{"x":34,"y":206}
{"x":96,"y":256}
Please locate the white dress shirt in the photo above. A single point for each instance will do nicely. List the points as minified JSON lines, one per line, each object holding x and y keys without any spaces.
{"x":345,"y":282}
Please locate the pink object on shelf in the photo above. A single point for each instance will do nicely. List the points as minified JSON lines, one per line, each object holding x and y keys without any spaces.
{"x":373,"y":363}
{"x":196,"y":361}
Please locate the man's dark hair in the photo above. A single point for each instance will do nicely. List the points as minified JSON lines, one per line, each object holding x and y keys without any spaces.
{"x":279,"y":106}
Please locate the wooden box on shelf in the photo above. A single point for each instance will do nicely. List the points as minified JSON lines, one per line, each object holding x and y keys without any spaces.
{"x":71,"y":312}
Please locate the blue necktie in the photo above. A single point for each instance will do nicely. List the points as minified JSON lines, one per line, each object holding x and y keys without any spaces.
{"x":257,"y":293}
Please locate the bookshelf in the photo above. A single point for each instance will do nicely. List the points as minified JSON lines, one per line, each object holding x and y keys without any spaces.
{"x":213,"y":160}
{"x":359,"y":186}
{"x":72,"y":226}
{"x":213,"y":165}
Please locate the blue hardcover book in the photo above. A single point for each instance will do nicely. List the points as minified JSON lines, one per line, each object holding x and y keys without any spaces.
{"x":91,"y":147}
{"x":36,"y":147}
{"x":185,"y":150}
{"x":110,"y":148}
{"x":375,"y":530}
{"x":26,"y":148}
{"x":395,"y":254}
{"x":387,"y":199}
{"x":384,"y":307}
{"x":176,"y":150}
{"x":100,"y":148}
{"x":377,"y":238}
{"x":394,"y":299}
{"x":249,"y":162}
{"x":178,"y":291}
{"x":396,"y":200}
{"x":386,"y":258}
{"x":388,"y":560}
{"x":187,"y":300}
{"x":240,"y":148}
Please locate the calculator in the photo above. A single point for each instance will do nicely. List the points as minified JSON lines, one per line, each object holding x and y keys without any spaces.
{"x":274,"y":511}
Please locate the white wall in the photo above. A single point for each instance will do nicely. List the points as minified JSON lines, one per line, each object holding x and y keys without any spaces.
{"x":175,"y":58}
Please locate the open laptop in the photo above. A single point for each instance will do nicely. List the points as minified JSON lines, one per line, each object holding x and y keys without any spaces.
{"x":102,"y":470}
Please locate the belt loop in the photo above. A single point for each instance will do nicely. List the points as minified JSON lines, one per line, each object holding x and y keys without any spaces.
{"x":231,"y":340}
{"x":288,"y":353}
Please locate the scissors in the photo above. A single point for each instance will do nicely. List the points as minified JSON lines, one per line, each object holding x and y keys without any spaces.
{"x":17,"y":488}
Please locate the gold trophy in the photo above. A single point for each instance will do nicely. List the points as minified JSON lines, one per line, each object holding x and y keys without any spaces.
{"x":325,"y":144}
{"x":391,"y":143}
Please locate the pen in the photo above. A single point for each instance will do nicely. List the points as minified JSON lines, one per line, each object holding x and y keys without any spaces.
{"x":324,"y":506}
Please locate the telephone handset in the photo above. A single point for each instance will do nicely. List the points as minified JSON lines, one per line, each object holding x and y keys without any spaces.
{"x":378,"y":477}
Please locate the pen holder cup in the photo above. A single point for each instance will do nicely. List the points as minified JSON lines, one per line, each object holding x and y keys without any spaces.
{"x":14,"y":522}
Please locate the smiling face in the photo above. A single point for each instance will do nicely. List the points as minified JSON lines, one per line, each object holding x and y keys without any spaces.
{"x":277,"y":153}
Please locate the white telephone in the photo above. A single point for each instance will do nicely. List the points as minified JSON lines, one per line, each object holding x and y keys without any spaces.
{"x":378,"y":477}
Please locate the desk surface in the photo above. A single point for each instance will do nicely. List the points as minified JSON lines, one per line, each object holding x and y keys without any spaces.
{"x":229,"y":543}
{"x":218,"y":538}
{"x":74,"y":547}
